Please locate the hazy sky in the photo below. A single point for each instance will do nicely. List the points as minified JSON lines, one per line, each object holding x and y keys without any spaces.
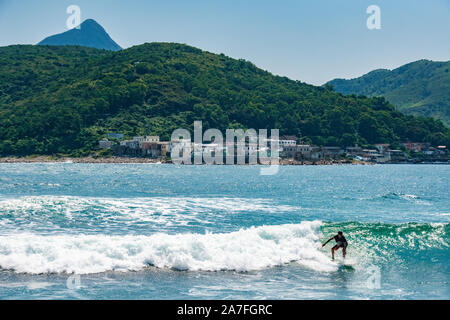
{"x":309,"y":40}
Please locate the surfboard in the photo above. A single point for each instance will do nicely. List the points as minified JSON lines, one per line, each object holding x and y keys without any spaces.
{"x":344,"y":265}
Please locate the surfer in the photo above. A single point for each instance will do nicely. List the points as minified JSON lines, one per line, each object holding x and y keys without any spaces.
{"x":341,"y":242}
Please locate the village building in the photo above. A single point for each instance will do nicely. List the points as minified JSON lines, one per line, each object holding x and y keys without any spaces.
{"x":155,"y":149}
{"x":288,"y":141}
{"x":139,"y":139}
{"x":398,"y":156}
{"x":151,"y":146}
{"x":288,"y":146}
{"x":416,"y":146}
{"x":442,"y":150}
{"x":333,"y":152}
{"x":382,"y":157}
{"x":370,"y":153}
{"x":354,"y":151}
{"x":130,"y":144}
{"x":105,"y":144}
{"x":430,"y":152}
{"x":289,"y":151}
{"x":317,"y":153}
{"x":151,"y":139}
{"x":303,"y":152}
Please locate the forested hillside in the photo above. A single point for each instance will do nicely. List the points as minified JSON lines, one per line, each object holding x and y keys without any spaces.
{"x":64,"y":99}
{"x":419,"y":88}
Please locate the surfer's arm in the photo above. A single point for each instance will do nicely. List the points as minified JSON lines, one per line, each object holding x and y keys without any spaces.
{"x":327,"y":241}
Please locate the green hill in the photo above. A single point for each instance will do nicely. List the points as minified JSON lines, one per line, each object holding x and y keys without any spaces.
{"x":64,"y":99}
{"x":420,"y":88}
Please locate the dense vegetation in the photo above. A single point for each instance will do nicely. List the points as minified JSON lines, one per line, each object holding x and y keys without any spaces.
{"x":64,"y":99}
{"x":420,"y":88}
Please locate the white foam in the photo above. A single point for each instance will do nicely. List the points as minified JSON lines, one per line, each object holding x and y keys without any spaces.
{"x":243,"y":250}
{"x":162,"y":211}
{"x":414,"y":198}
{"x":151,"y":204}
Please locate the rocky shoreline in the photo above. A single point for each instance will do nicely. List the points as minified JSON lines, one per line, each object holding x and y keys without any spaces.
{"x":122,"y":160}
{"x":50,"y":159}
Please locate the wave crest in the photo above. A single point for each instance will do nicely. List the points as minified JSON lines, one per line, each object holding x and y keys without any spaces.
{"x":244,"y":250}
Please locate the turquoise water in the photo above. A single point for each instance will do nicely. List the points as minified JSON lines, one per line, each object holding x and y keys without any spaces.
{"x":149,"y":231}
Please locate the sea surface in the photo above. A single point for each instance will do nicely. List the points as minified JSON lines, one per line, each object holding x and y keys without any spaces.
{"x":155,"y":231}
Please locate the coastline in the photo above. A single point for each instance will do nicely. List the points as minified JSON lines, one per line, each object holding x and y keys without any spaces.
{"x":124,"y":160}
{"x":52,"y":159}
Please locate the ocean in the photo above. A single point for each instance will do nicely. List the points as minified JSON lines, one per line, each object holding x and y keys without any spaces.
{"x":156,"y":231}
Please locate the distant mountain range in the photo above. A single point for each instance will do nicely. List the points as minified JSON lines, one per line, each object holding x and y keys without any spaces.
{"x":419,"y":88}
{"x":90,"y":34}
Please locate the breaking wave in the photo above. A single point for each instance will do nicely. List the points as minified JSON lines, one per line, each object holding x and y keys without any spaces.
{"x":249,"y":249}
{"x":243,"y":250}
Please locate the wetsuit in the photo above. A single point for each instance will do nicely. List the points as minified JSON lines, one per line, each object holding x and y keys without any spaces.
{"x":340,"y":241}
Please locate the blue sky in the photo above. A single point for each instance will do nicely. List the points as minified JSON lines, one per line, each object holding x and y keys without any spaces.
{"x":309,"y":40}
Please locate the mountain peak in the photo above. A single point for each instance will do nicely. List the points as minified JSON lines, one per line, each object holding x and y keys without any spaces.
{"x":89,"y":22}
{"x":92,"y":24}
{"x":90,"y":34}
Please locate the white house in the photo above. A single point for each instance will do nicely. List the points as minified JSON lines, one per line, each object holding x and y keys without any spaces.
{"x":288,"y":141}
{"x":151,"y":139}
